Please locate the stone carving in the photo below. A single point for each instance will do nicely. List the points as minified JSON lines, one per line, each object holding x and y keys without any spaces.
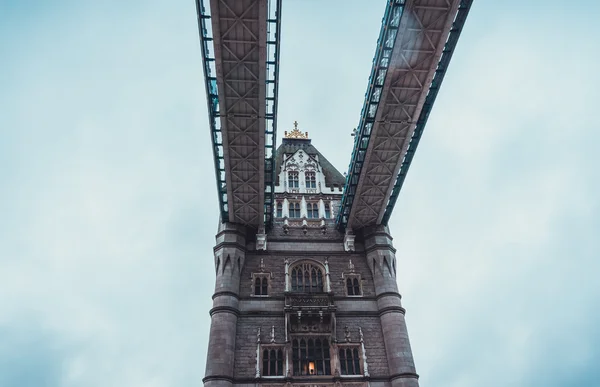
{"x":295,"y":133}
{"x":257,"y":370}
{"x":273,"y":334}
{"x":349,"y":241}
{"x":364,"y":352}
{"x":308,"y":300}
{"x":261,"y":239}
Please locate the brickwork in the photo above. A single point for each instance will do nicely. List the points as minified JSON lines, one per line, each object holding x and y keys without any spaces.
{"x":238,"y":313}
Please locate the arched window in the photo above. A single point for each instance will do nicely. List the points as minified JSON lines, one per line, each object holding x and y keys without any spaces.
{"x":312,"y":210}
{"x":293,"y":179}
{"x":349,"y":361}
{"x":279,"y":209}
{"x":311,"y":357}
{"x":311,"y":181}
{"x":327,"y":211}
{"x":307,"y":278}
{"x":272,"y":362}
{"x":294,"y":210}
{"x":353,"y":286}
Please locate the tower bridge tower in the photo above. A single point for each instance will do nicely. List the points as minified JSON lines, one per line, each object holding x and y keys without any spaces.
{"x":302,"y":304}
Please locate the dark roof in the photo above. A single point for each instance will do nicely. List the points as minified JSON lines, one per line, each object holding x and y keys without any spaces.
{"x":290,"y":146}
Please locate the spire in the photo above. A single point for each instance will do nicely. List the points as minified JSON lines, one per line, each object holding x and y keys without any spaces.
{"x":296,"y":134}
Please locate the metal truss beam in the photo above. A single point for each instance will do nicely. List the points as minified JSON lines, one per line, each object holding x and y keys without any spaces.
{"x":440,"y":72}
{"x":406,"y":74}
{"x":239,"y":40}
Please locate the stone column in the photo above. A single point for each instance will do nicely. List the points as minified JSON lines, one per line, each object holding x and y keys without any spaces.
{"x":230,"y":252}
{"x":381,"y":257}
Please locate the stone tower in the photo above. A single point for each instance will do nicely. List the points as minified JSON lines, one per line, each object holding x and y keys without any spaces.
{"x":303,"y":304}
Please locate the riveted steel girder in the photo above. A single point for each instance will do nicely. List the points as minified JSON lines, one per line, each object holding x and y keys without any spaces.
{"x":240,"y":51}
{"x":414,"y":47}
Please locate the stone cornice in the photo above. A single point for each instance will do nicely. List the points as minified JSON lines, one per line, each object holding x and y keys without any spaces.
{"x":224,"y":309}
{"x":391,"y":309}
{"x":404,"y":375}
{"x":225,"y":293}
{"x":230,"y":244}
{"x":378,"y":246}
{"x":388,"y":294}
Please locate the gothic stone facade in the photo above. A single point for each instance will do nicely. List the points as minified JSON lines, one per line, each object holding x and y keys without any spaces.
{"x":305,"y":305}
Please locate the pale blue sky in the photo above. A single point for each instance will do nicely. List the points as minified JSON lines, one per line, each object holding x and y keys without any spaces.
{"x":109,"y":204}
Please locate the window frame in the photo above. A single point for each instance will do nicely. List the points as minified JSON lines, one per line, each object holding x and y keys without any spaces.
{"x":279,"y":209}
{"x":355,"y":362}
{"x":279,"y":362}
{"x":263,"y":278}
{"x":355,"y":281}
{"x":310,"y":214}
{"x":310,"y":279}
{"x":327,"y":211}
{"x":302,"y":356}
{"x":310,"y":177}
{"x":293,"y":179}
{"x":297,"y":210}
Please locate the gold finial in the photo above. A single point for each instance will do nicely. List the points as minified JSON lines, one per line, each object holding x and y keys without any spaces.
{"x":295,"y":133}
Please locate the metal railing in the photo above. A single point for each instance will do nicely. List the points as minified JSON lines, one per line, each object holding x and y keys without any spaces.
{"x":436,"y":82}
{"x":272,"y":79}
{"x":212,"y":100}
{"x":383,"y":55}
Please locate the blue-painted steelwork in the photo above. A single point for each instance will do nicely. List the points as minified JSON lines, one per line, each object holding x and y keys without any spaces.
{"x":212,"y":100}
{"x":383,"y":54}
{"x":272,"y":79}
{"x":440,"y":72}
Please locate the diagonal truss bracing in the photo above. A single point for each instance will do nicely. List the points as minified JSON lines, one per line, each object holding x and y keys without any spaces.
{"x":415,"y":44}
{"x":240,"y":52}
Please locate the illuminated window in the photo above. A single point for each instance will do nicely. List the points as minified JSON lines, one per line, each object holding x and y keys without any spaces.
{"x":272,"y":362}
{"x":311,"y":357}
{"x":311,"y":181}
{"x":307,"y":278}
{"x":293,"y":179}
{"x":349,"y":361}
{"x":312,"y":210}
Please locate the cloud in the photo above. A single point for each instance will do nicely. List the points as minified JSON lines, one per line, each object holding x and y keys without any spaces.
{"x":110,"y":206}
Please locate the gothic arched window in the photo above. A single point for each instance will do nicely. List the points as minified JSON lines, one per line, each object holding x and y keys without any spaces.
{"x":272,"y":362}
{"x":349,"y":361}
{"x":312,"y":210}
{"x":294,"y":210}
{"x":311,"y":181}
{"x":307,"y":278}
{"x":311,"y":357}
{"x":293,"y":179}
{"x":279,"y":209}
{"x":327,"y":211}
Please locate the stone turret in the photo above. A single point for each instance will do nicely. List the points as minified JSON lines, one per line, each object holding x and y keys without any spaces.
{"x":304,"y":308}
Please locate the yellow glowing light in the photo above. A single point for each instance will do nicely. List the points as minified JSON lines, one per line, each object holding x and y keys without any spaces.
{"x":311,"y":367}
